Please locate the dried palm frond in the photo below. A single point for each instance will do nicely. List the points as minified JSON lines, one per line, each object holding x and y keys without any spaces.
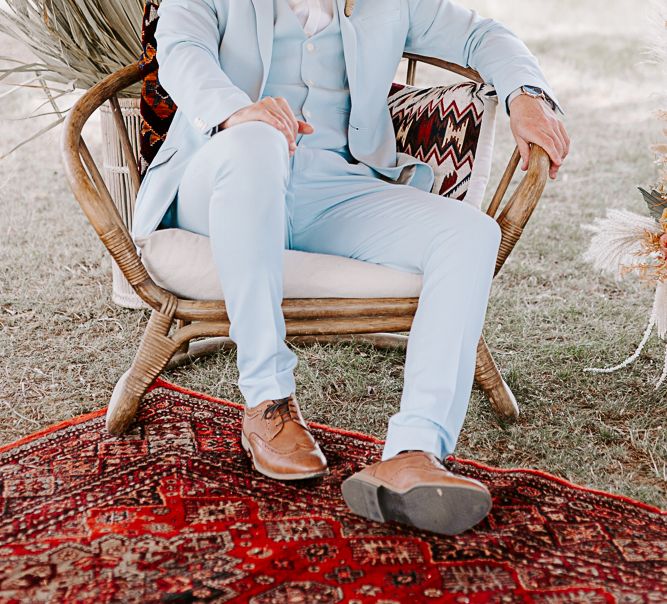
{"x":74,"y":42}
{"x":618,"y":240}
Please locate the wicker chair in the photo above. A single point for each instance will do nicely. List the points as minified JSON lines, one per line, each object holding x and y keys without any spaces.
{"x":175,"y":321}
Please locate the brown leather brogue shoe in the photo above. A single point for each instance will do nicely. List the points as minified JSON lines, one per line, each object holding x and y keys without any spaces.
{"x":415,"y":488}
{"x":277,"y":439}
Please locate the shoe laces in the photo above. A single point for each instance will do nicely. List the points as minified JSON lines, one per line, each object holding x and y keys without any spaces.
{"x":281,"y":406}
{"x":282,"y":409}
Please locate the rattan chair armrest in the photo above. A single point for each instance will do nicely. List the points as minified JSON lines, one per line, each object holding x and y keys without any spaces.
{"x":466,"y":72}
{"x":522,"y":203}
{"x":91,"y":192}
{"x":101,"y":212}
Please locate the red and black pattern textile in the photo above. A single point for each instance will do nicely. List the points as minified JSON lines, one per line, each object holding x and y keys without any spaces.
{"x":157,"y":108}
{"x":174,"y":512}
{"x":439,"y":125}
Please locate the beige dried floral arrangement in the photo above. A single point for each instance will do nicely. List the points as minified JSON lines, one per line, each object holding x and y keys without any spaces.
{"x":625,"y":243}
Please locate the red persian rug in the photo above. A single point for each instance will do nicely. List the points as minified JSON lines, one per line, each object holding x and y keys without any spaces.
{"x":173,"y":512}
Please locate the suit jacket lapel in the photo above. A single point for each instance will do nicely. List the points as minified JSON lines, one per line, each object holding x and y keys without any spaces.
{"x":264,"y":17}
{"x":349,"y":36}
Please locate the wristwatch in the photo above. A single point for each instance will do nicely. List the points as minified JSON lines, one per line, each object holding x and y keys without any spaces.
{"x":534,"y":91}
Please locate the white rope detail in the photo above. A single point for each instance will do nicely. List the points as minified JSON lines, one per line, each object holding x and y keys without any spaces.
{"x":632,"y":358}
{"x":663,"y":377}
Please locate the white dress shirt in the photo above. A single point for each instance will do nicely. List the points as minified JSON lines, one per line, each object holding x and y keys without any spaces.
{"x":314,"y":15}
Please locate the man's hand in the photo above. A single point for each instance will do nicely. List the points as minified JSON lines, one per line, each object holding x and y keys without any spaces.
{"x":533,"y":121}
{"x":275,"y":111}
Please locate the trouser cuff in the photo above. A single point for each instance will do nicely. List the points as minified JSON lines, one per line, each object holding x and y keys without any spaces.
{"x":400,"y":438}
{"x":272,"y":387}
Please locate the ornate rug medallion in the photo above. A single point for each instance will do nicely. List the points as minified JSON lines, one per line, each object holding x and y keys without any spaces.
{"x":173,"y":512}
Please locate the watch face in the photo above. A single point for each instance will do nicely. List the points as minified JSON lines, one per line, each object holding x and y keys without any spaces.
{"x":533,"y":90}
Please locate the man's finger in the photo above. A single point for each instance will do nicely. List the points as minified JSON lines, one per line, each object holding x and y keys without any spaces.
{"x":279,"y":110}
{"x":278,"y":122}
{"x":558,"y":145}
{"x":558,"y":136}
{"x":275,"y":108}
{"x":292,"y":127}
{"x":548,"y":143}
{"x":549,"y":146}
{"x":566,"y":137}
{"x":305,"y":126}
{"x":524,"y":150}
{"x":289,"y":114}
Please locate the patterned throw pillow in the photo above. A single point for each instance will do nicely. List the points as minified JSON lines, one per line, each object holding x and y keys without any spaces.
{"x":449,"y":127}
{"x":452,"y":129}
{"x":157,"y":107}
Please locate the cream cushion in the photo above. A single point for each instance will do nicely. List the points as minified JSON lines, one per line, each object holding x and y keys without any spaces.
{"x":182,"y":262}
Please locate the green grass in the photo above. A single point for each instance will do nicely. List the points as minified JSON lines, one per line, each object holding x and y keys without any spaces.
{"x":63,"y":343}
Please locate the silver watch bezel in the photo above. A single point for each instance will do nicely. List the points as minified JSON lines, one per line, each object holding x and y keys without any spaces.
{"x":530,"y":91}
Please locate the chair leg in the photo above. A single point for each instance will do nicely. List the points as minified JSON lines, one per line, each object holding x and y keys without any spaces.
{"x":388,"y":341}
{"x":491,"y":382}
{"x":154,"y":352}
{"x":185,"y":347}
{"x":200,"y":349}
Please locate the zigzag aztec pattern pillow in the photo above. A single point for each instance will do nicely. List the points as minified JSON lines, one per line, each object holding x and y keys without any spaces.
{"x":452,"y":129}
{"x":449,"y":127}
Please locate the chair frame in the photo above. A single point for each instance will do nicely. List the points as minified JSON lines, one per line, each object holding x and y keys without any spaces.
{"x":174,"y":322}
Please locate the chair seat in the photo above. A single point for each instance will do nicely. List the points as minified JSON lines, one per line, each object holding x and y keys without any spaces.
{"x":182,"y":262}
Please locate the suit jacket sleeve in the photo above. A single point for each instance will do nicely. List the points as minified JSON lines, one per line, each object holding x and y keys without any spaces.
{"x":446,"y":30}
{"x":188,"y":46}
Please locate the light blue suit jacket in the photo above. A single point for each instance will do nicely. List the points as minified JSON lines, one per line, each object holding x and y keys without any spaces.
{"x":214,"y":58}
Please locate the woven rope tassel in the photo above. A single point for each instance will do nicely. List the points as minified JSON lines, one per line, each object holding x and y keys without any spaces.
{"x":349,"y":7}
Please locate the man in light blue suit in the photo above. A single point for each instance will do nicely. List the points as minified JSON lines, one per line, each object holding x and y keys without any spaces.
{"x":283,"y":139}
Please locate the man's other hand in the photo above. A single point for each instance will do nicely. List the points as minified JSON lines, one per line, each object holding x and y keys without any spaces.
{"x":275,"y":111}
{"x":533,"y":121}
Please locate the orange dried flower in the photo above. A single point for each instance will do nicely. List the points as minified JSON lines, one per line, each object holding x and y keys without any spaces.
{"x":653,"y":254}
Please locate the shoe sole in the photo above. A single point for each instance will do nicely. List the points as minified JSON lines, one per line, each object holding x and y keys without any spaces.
{"x":296,"y":476}
{"x":447,"y":510}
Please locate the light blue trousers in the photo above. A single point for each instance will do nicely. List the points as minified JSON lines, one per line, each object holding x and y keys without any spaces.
{"x":244,"y":191}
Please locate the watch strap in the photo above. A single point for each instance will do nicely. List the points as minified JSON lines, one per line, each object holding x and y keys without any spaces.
{"x":531,"y":92}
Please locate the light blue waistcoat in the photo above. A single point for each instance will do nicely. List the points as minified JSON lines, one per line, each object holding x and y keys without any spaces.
{"x":310,"y":73}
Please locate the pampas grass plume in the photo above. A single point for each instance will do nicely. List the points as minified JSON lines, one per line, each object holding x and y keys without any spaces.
{"x":617,"y":240}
